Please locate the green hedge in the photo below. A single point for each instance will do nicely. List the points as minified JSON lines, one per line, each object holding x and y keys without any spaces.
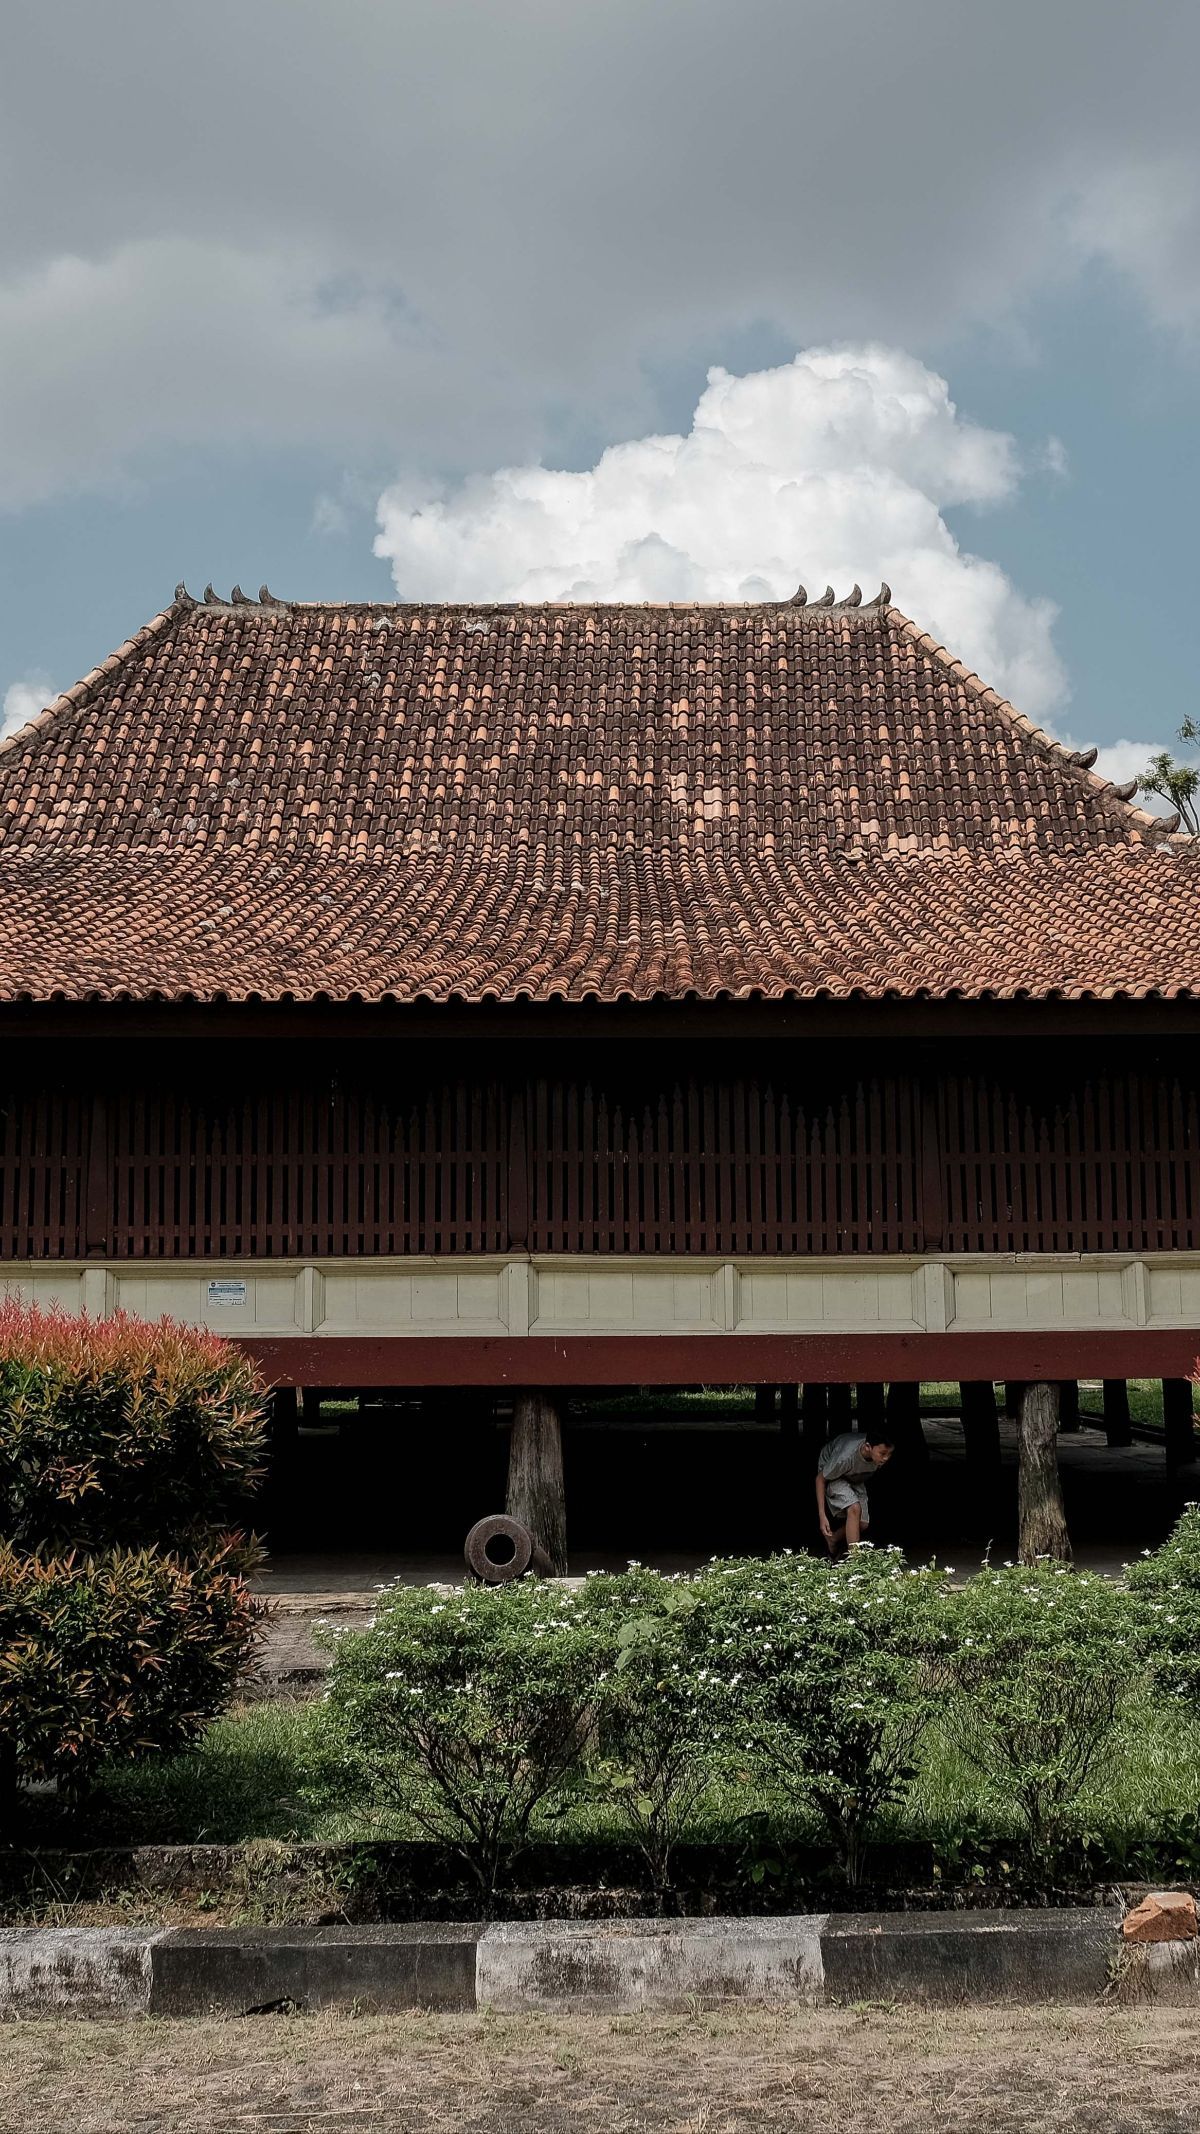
{"x":813,"y":1684}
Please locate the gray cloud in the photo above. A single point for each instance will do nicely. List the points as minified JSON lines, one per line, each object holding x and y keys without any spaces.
{"x":427,"y":230}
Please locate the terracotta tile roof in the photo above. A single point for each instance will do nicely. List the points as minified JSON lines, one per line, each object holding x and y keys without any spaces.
{"x":564,"y":802}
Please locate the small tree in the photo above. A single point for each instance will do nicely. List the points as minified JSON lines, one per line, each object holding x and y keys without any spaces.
{"x":467,"y":1711}
{"x":835,"y":1672}
{"x":1177,"y":782}
{"x":662,"y":1716}
{"x":1042,"y":1658}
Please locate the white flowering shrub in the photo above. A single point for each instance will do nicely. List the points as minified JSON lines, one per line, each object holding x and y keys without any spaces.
{"x":1166,"y":1587}
{"x":467,"y":1710}
{"x":1043,"y":1659}
{"x":826,"y":1677}
{"x":664,"y":1713}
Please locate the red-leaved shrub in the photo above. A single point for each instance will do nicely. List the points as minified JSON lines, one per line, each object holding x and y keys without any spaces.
{"x":113,"y":1656}
{"x":118,"y":1433}
{"x":129,"y":1455}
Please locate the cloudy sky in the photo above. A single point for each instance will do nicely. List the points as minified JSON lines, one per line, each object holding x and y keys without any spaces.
{"x":629,"y":298}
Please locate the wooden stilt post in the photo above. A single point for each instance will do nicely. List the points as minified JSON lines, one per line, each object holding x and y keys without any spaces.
{"x":981,"y":1428}
{"x":764,"y":1404}
{"x":1012,"y":1398}
{"x":814,"y":1413}
{"x":1178,"y":1423}
{"x":841,"y":1413}
{"x":1068,"y":1404}
{"x":311,"y":1406}
{"x":1043,"y":1523}
{"x":793,"y":1506}
{"x":1117,"y":1427}
{"x":904,"y":1421}
{"x":282,"y":1425}
{"x":870,"y":1407}
{"x":536,"y":1492}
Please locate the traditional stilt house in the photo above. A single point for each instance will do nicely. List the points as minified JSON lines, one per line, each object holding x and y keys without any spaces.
{"x":578,"y":996}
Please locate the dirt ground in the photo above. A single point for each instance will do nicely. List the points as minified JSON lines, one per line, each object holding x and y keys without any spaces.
{"x":713,"y":2073}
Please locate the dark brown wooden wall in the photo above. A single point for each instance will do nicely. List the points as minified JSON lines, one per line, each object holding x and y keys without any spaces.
{"x":969,"y":1158}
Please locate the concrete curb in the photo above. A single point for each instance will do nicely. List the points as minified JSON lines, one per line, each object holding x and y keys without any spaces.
{"x":568,"y":1966}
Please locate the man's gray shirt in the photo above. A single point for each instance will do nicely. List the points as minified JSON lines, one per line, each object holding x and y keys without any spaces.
{"x":841,"y":1459}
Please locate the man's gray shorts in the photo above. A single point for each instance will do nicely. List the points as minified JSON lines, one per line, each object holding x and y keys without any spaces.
{"x":840,"y":1496}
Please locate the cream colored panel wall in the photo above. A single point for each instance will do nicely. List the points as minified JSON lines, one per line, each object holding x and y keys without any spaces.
{"x":815,"y":1296}
{"x":548,"y":1296}
{"x":415,"y":1297}
{"x":45,"y":1286}
{"x":230,"y":1299}
{"x":614,"y":1296}
{"x":1173,"y":1297}
{"x":1024,"y":1295}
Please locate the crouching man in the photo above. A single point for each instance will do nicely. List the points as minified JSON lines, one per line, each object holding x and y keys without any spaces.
{"x":845,"y":1463}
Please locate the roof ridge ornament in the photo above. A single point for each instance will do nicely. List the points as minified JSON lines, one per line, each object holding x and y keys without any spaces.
{"x":211,"y":599}
{"x":184,"y":599}
{"x":1085,"y":757}
{"x":238,"y":599}
{"x":267,"y":599}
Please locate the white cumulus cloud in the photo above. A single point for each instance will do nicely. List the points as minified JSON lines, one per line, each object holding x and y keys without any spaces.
{"x":838,"y":467}
{"x":22,"y":701}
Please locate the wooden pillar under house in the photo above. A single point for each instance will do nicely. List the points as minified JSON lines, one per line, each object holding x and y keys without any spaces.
{"x":1068,"y":1404}
{"x":870,"y":1402}
{"x":1179,"y":1423}
{"x":814,"y":1421}
{"x":841,"y":1409}
{"x":536,"y":1490}
{"x":283,"y":1421}
{"x":764,"y":1404}
{"x":791,"y":1463}
{"x":981,"y":1428}
{"x":1041,"y":1515}
{"x":904,"y":1422}
{"x":1117,"y":1426}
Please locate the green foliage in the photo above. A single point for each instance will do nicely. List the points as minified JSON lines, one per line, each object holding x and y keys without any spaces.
{"x":127,"y":1452}
{"x":119,"y":1434}
{"x":469,"y":1710}
{"x":829,"y":1679}
{"x":112,"y":1657}
{"x":1166,"y":1587}
{"x":1177,"y":782}
{"x":661,"y":1716}
{"x":1042,"y":1659}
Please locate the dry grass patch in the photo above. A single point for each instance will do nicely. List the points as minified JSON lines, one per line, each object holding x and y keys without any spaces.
{"x":711,"y":2073}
